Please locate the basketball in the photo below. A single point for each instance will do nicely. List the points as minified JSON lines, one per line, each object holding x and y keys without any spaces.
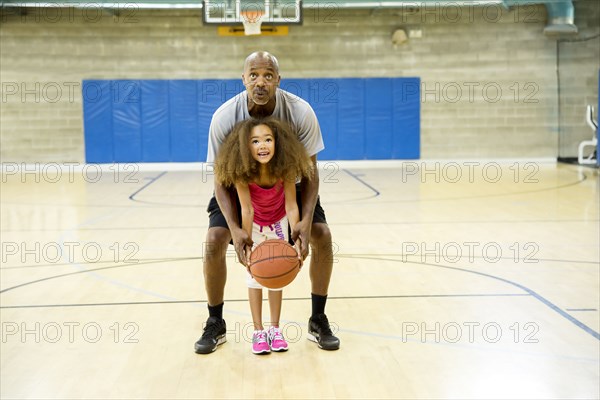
{"x":274,"y":263}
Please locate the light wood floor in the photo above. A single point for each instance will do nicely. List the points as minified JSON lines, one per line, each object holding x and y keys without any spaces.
{"x":451,"y":280}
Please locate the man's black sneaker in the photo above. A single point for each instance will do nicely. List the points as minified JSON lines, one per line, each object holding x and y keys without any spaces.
{"x":214,"y":335}
{"x":320,"y":332}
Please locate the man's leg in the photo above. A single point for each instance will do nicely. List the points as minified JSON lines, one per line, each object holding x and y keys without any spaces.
{"x":215,"y":266}
{"x":321,"y":267}
{"x":215,"y":276}
{"x":321,"y":261}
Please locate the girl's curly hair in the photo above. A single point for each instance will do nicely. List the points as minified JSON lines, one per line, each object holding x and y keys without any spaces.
{"x":234,"y":162}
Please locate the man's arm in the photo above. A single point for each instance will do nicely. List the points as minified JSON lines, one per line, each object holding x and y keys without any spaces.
{"x":247,"y":218}
{"x":292,"y":213}
{"x":309,"y":192}
{"x":246,"y":204}
{"x":228,"y":207}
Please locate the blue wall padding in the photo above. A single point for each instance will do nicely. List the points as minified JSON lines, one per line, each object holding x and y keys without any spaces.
{"x":183,"y":121}
{"x":127,"y":121}
{"x":406,"y":99}
{"x":168,"y":120}
{"x":351,"y":120}
{"x":156,"y":140}
{"x":97,"y":117}
{"x":379,"y":132}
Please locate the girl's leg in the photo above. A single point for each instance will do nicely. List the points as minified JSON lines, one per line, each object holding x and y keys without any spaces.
{"x":275,"y":337}
{"x":255,"y":297}
{"x":260,"y":344}
{"x":275,"y":299}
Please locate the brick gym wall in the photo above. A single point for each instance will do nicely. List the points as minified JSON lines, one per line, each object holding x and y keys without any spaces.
{"x":489,"y":75}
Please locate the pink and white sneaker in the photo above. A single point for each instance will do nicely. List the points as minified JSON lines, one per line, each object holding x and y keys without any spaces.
{"x":259,"y":343}
{"x":276,"y":340}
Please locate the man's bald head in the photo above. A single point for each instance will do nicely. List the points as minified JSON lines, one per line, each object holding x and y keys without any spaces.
{"x":262,"y":56}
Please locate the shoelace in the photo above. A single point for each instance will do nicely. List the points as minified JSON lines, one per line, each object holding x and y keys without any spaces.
{"x":276,"y":335}
{"x":261,"y":337}
{"x":323,"y":322}
{"x":211,"y":330}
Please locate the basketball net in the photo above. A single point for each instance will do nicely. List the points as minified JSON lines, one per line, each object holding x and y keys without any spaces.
{"x":252,"y":19}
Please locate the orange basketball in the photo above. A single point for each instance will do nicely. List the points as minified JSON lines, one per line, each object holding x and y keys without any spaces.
{"x":274,"y":263}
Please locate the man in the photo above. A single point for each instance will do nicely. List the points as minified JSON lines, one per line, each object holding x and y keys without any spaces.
{"x":263,"y":98}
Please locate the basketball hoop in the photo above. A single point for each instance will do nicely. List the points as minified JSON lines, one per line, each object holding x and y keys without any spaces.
{"x":252,"y":19}
{"x":246,"y":17}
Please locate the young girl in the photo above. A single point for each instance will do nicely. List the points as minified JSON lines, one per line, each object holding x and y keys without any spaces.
{"x":263,"y":158}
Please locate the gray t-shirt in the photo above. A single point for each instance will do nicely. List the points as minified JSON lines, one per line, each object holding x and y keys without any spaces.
{"x":289,"y":107}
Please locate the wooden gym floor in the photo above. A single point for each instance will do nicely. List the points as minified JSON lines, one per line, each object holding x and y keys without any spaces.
{"x":451,"y":280}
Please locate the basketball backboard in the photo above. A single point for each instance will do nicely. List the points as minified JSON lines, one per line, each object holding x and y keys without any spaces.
{"x":229,"y":12}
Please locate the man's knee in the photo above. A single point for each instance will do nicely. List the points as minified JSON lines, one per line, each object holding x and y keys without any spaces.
{"x":320,"y":233}
{"x":217,"y":241}
{"x":321,"y":245}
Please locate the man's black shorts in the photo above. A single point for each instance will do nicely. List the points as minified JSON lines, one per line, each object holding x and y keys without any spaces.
{"x":216,"y":217}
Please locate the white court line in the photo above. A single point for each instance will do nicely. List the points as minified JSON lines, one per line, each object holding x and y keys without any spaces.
{"x":12,"y":168}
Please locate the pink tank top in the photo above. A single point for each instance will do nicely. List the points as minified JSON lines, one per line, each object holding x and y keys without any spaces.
{"x":268,"y":204}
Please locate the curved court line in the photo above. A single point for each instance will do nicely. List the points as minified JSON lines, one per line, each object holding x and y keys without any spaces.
{"x":143,"y":303}
{"x":150,"y":204}
{"x":577,"y":182}
{"x":531,"y":292}
{"x":341,"y":254}
{"x":70,"y":205}
{"x":150,"y":182}
{"x":121,"y":228}
{"x":461,"y":257}
{"x":473,"y":346}
{"x":153,"y":203}
{"x":325,"y":202}
{"x":88,"y":205}
{"x":543,"y":300}
{"x":137,"y":262}
{"x":94,"y":270}
{"x":377,"y":192}
{"x":487,"y":221}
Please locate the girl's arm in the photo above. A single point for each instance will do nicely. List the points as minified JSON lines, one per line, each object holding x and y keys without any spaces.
{"x":247,"y":217}
{"x":291,"y":211}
